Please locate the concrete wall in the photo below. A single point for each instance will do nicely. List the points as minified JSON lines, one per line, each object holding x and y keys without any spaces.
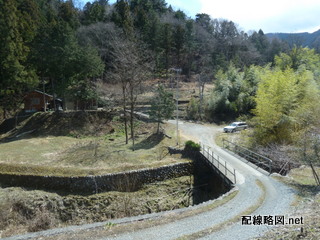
{"x":207,"y":183}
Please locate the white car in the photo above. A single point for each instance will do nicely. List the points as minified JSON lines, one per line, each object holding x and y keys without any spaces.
{"x":235,"y":126}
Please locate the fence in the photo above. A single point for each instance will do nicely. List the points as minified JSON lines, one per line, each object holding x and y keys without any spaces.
{"x":255,"y":158}
{"x":220,"y":166}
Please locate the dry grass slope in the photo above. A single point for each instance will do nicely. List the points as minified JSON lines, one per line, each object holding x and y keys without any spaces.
{"x":90,"y":149}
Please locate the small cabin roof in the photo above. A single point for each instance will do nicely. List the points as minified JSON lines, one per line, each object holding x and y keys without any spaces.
{"x":43,"y":93}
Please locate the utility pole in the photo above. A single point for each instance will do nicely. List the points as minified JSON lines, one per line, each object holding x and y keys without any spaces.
{"x":177,"y":71}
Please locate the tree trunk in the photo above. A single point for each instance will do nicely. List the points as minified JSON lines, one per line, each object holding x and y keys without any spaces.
{"x":131,"y":119}
{"x":158,"y":130}
{"x":4,"y":113}
{"x":125,"y":113}
{"x":64,"y":102}
{"x":54,"y":97}
{"x":44,"y":96}
{"x":315,"y":175}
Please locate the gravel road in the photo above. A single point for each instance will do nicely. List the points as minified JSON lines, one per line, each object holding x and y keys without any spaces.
{"x":276,"y":200}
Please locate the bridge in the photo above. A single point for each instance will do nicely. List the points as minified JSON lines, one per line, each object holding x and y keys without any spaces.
{"x":255,"y":193}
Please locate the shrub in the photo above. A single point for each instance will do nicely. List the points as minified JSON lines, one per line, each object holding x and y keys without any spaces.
{"x":42,"y":220}
{"x":192,"y":109}
{"x":192,"y":146}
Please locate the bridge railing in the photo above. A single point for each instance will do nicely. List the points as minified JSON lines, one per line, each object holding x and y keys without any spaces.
{"x":255,"y":158}
{"x":221,"y":166}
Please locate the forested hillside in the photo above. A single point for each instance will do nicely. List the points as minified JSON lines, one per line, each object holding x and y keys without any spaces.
{"x":68,"y":52}
{"x":304,"y":39}
{"x":114,"y":61}
{"x":53,"y":46}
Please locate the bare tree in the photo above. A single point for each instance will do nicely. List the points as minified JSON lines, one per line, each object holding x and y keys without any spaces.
{"x":204,"y":77}
{"x":311,"y":151}
{"x":130,"y":67}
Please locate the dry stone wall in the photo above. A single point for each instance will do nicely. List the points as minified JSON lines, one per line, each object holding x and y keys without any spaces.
{"x":123,"y":181}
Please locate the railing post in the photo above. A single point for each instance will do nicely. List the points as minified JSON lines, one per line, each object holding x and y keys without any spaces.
{"x":209,"y":156}
{"x":270,"y":167}
{"x":225,"y":165}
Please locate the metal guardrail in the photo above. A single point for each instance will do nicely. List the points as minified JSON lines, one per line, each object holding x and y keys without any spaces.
{"x":255,"y":158}
{"x":219,"y":165}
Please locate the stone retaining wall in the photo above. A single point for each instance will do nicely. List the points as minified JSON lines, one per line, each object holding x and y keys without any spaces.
{"x":123,"y":181}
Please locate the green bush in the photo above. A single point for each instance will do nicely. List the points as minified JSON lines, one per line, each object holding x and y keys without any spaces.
{"x":192,"y":146}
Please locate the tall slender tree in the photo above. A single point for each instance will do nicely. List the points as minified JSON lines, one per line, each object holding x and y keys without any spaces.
{"x":162,"y":106}
{"x":122,"y":17}
{"x":16,"y":77}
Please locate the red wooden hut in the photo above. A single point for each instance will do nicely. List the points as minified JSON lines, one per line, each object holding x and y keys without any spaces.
{"x":37,"y":101}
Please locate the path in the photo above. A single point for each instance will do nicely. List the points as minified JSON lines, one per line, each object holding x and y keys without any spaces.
{"x":278,"y":198}
{"x":273,"y":198}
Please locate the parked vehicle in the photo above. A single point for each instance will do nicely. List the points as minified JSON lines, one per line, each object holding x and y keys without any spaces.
{"x":235,"y":126}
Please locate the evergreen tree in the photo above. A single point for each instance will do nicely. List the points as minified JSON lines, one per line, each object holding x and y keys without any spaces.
{"x":204,"y":20}
{"x":58,"y":55}
{"x":178,"y":42}
{"x":262,"y":44}
{"x":165,"y":44}
{"x":122,"y":17}
{"x":16,"y":77}
{"x":94,"y":12}
{"x":162,"y":106}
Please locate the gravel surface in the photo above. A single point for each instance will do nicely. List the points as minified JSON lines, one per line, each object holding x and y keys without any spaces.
{"x":277,"y":202}
{"x":201,"y":221}
{"x":278,"y":198}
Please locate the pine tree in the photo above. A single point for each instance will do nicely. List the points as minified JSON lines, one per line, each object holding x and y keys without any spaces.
{"x":15,"y":77}
{"x":122,"y":17}
{"x":162,"y":106}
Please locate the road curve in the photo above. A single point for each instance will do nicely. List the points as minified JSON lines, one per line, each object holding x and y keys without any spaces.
{"x":269,"y":199}
{"x":274,"y":198}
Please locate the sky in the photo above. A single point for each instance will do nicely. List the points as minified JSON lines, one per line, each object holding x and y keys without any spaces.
{"x":287,"y":16}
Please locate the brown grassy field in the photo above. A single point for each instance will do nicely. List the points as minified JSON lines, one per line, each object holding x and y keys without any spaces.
{"x":77,"y":144}
{"x":83,"y":149}
{"x":94,"y":155}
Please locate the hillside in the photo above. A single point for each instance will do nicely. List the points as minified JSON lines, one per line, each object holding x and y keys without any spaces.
{"x":304,"y":39}
{"x":81,"y":143}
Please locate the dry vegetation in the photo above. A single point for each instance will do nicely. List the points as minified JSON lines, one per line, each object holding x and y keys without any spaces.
{"x":302,"y":179}
{"x":82,"y":143}
{"x":111,"y":229}
{"x":91,"y":148}
{"x":78,"y":144}
{"x":24,"y":210}
{"x":284,"y":157}
{"x":306,"y":206}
